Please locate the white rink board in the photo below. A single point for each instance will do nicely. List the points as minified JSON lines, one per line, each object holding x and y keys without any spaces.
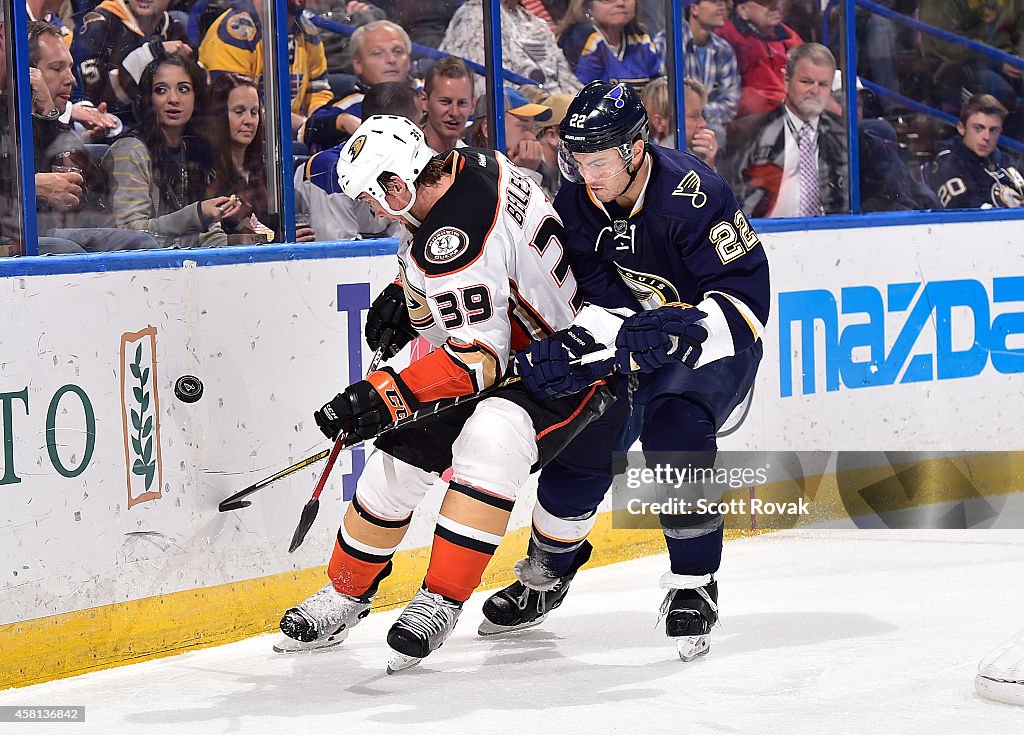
{"x":270,"y":345}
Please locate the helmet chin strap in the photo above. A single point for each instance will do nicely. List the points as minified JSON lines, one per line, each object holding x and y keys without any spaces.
{"x":633,"y":174}
{"x":404,"y":211}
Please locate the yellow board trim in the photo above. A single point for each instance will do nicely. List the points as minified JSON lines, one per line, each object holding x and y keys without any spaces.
{"x":59,"y":646}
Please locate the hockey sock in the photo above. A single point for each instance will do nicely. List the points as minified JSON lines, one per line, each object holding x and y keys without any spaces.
{"x":469,"y":528}
{"x":698,"y":555}
{"x":365,"y":545}
{"x":565,"y":512}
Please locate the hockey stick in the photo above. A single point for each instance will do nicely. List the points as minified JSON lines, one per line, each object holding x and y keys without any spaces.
{"x":235,"y":502}
{"x":313,"y":506}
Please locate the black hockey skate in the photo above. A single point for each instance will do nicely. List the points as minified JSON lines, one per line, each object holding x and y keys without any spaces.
{"x":422,"y":627}
{"x":325,"y":618}
{"x":690,"y":614}
{"x":518,"y":606}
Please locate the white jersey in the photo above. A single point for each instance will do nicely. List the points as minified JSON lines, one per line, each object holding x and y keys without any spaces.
{"x":486,"y":274}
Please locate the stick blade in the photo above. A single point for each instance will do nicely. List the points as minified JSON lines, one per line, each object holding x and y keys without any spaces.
{"x":309,"y":511}
{"x":229,"y":505}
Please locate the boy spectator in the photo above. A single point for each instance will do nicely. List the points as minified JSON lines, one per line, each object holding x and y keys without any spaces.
{"x":700,"y":139}
{"x":969,"y":172}
{"x":792,"y":161}
{"x":761,"y":41}
{"x":115,"y":44}
{"x":521,"y":144}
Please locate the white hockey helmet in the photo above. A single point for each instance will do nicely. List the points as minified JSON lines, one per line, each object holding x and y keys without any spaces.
{"x":383,"y":143}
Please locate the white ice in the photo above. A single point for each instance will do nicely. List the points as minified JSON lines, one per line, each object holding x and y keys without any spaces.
{"x":822,"y":631}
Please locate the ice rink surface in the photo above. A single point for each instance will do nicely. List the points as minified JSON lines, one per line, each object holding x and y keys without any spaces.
{"x":822,"y":632}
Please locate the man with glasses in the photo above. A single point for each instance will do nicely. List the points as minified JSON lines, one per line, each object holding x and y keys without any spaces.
{"x":653,"y":231}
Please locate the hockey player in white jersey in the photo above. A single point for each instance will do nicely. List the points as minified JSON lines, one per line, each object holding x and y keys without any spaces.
{"x":484,"y":275}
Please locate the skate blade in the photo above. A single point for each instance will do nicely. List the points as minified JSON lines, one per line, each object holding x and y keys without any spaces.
{"x":693,"y":646}
{"x":284,"y":644}
{"x":487,"y":628}
{"x":401,"y":662}
{"x":1008,"y":692}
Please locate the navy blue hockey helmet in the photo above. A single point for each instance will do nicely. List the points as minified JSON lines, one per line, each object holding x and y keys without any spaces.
{"x":602,"y":116}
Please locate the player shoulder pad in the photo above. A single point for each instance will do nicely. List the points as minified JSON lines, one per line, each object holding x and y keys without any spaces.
{"x":237,"y":28}
{"x":455,"y":231}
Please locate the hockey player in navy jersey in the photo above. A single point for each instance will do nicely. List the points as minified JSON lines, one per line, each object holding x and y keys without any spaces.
{"x":650,"y":231}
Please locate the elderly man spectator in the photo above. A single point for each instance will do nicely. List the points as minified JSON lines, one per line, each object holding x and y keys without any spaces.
{"x":761,"y":41}
{"x":114,"y":46}
{"x":337,"y":46}
{"x":449,"y":93}
{"x":968,"y":172}
{"x":792,"y":161}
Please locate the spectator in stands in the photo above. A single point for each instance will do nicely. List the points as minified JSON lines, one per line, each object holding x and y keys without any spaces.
{"x":332,"y":214}
{"x":449,"y":92}
{"x":425,"y":20}
{"x":86,"y":222}
{"x":792,"y":161}
{"x":116,"y":42}
{"x":710,"y":60}
{"x":602,"y":40}
{"x":55,"y":190}
{"x":969,"y":172}
{"x":700,"y":139}
{"x":547,"y":136}
{"x":235,"y":132}
{"x":761,"y":41}
{"x":959,"y":71}
{"x":380,"y":53}
{"x":529,"y":47}
{"x":160,"y":174}
{"x":337,"y":46}
{"x":234,"y":43}
{"x":521,"y":143}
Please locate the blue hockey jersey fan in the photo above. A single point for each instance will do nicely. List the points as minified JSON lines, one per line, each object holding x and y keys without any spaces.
{"x":676,"y":279}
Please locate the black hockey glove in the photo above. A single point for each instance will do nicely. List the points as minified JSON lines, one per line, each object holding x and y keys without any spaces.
{"x":652,"y":339}
{"x":368,"y":407}
{"x":389,"y":311}
{"x":546,"y":365}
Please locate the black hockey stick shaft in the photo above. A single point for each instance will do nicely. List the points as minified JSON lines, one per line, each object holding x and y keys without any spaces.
{"x":235,"y":502}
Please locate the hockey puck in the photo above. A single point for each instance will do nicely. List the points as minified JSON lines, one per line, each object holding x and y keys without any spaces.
{"x":188,"y":389}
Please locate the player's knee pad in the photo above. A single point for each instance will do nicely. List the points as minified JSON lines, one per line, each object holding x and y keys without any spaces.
{"x":496,"y":448}
{"x":690,"y":525}
{"x":390,"y":488}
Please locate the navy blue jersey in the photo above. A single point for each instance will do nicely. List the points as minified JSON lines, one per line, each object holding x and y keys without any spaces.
{"x":686,"y":240}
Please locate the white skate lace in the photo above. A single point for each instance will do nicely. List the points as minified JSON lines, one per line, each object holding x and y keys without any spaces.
{"x":523,"y":600}
{"x":429,"y":615}
{"x":327,"y":609}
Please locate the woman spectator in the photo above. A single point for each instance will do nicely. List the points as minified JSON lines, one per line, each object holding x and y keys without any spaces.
{"x":161,"y":172}
{"x":603,"y":40}
{"x":761,"y":41}
{"x":235,"y":131}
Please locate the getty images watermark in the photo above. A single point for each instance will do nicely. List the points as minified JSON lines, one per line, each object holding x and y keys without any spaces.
{"x":763,"y":490}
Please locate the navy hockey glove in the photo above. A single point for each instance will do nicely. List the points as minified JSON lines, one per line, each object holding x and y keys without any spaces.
{"x":368,"y":407}
{"x":389,"y":311}
{"x":546,"y":369}
{"x":652,"y":339}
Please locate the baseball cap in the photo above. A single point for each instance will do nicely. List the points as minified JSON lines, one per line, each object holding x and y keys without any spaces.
{"x":559,"y":104}
{"x":515,"y":104}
